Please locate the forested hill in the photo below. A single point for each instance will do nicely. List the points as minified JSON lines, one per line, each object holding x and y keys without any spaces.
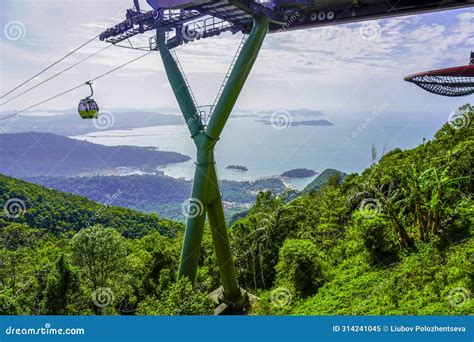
{"x":58,"y":212}
{"x":33,"y":154}
{"x":161,"y":194}
{"x":394,"y":240}
{"x":323,"y":178}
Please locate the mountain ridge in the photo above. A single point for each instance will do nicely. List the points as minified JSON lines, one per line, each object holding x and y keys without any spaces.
{"x":32,"y":154}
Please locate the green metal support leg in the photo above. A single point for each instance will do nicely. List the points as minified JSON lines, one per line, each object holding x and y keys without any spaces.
{"x":206,"y":193}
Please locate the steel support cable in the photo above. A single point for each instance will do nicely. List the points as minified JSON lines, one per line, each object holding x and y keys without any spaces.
{"x":120,"y":66}
{"x":76,"y":87}
{"x":53,"y":64}
{"x":55,"y":75}
{"x":50,"y":66}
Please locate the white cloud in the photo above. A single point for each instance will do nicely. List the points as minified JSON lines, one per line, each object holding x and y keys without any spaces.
{"x":312,"y":68}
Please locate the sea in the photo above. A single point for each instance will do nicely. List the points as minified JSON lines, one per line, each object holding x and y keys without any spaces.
{"x":277,"y":143}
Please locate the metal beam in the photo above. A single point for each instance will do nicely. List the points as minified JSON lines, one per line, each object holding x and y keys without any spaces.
{"x":206,"y":195}
{"x":179,"y":86}
{"x":238,"y":76}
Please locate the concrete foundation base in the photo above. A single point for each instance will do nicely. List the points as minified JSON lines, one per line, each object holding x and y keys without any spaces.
{"x":226,"y":307}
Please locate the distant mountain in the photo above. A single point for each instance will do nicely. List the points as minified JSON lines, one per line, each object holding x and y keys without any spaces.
{"x":299,"y":173}
{"x":323,"y":178}
{"x":69,"y":123}
{"x":33,"y":154}
{"x":158,"y":193}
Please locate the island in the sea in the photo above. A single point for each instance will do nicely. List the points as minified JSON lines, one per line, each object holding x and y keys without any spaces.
{"x":237,"y":167}
{"x":299,"y":173}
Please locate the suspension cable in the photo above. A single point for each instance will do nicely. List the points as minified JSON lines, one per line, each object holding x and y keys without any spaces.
{"x":50,"y":66}
{"x":55,"y":75}
{"x":76,"y":87}
{"x":53,"y":64}
{"x":121,"y":66}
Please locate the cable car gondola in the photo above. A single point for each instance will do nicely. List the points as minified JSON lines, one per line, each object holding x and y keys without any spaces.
{"x":88,"y":108}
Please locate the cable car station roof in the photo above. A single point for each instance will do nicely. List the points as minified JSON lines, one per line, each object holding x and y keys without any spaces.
{"x":206,"y":18}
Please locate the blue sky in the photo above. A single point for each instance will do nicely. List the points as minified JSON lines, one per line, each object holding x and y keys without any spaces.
{"x":333,"y":69}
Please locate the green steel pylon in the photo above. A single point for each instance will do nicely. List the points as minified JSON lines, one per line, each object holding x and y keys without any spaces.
{"x":206,"y":194}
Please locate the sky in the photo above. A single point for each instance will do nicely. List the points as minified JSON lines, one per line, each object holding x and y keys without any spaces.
{"x":339,"y":69}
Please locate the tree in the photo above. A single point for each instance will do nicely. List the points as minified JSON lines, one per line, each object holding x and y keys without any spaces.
{"x":61,"y":288}
{"x":378,"y":239}
{"x":100,"y":254}
{"x":162,"y":254}
{"x":373,"y":153}
{"x":257,"y":239}
{"x":17,"y":241}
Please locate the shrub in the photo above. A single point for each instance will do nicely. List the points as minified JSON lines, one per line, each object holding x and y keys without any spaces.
{"x":299,"y":267}
{"x":378,"y":238}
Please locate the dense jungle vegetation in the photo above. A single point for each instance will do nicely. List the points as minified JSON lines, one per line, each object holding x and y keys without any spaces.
{"x":396,"y":239}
